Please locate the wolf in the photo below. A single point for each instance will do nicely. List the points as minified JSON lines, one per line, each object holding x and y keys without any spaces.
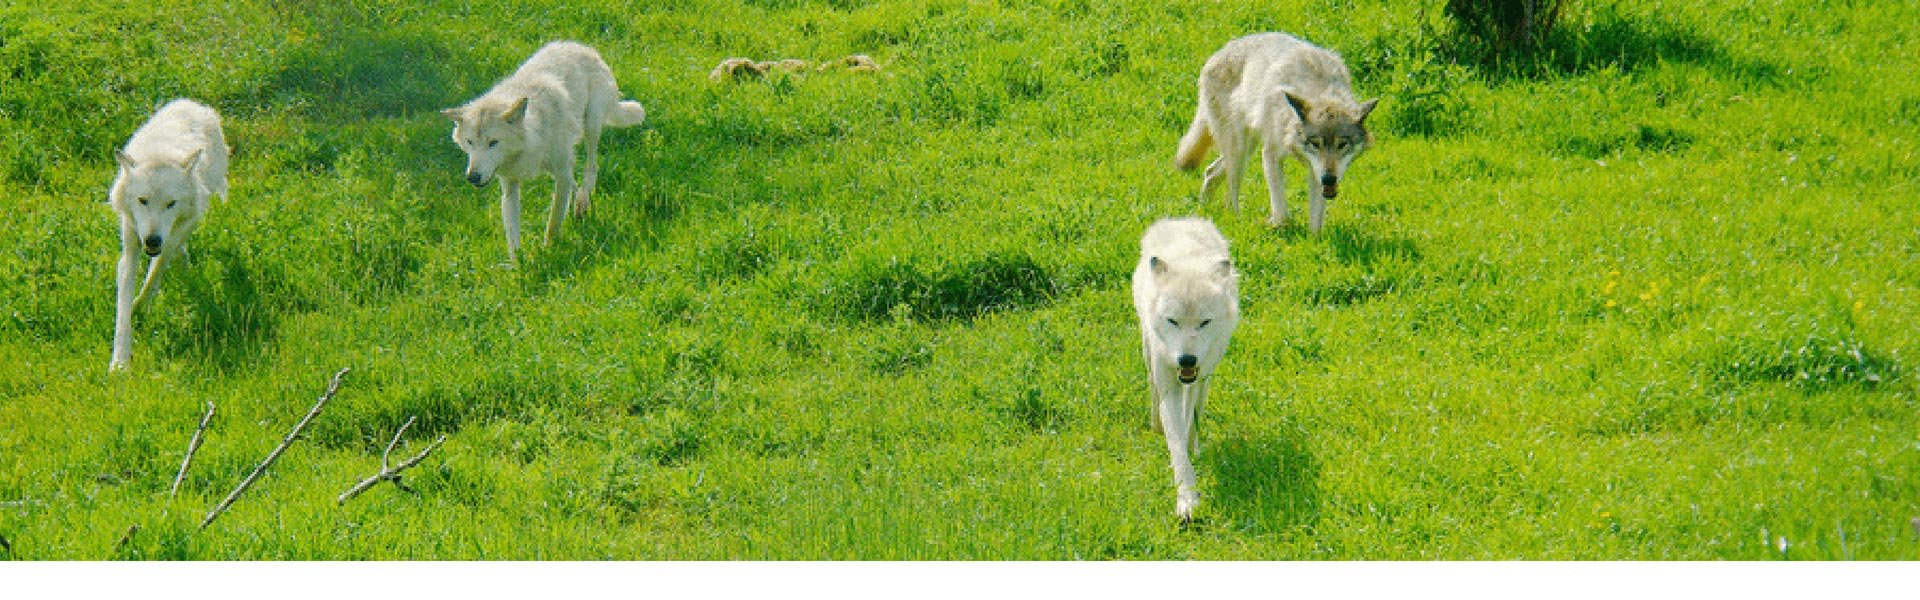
{"x":1293,"y":97}
{"x":529,"y":124}
{"x":1187,"y":294}
{"x":169,"y":171}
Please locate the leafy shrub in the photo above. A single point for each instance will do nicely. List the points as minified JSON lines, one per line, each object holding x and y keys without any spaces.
{"x":1506,"y":25}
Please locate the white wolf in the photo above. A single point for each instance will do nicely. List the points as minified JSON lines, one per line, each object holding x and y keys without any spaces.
{"x":1294,"y":97}
{"x":1187,"y":295}
{"x":169,"y":170}
{"x":529,"y":124}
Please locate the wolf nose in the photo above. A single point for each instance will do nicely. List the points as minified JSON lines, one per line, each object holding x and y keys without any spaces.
{"x":473,"y":178}
{"x":1329,"y":180}
{"x":153,"y":242}
{"x":1187,"y":361}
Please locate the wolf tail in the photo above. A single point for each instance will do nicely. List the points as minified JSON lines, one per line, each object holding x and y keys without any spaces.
{"x":626,"y":114}
{"x":1195,"y":144}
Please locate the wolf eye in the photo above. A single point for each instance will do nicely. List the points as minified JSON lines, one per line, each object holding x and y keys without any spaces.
{"x":1173,"y":322}
{"x":171,"y":203}
{"x":143,"y":201}
{"x":1203,"y":323}
{"x":1341,"y":145}
{"x":493,"y":143}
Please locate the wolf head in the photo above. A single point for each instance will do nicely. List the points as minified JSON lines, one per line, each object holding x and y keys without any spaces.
{"x":1193,"y":315}
{"x":490,"y":134}
{"x":156,"y":195}
{"x":1332,"y":135}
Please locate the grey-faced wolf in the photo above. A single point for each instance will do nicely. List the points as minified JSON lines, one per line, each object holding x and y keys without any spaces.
{"x":1294,"y":98}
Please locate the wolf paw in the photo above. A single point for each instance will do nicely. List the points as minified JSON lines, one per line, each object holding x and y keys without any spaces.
{"x":1184,"y":506}
{"x":580,"y":203}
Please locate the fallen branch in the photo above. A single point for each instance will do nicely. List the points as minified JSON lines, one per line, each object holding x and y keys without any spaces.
{"x":387,"y":471}
{"x":332,"y":388}
{"x":192,"y":445}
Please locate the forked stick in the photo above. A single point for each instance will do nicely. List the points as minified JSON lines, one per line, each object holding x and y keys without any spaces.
{"x":387,"y":471}
{"x":332,"y":388}
{"x":192,"y":445}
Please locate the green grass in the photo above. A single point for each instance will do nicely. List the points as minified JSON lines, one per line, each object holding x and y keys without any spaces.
{"x":1647,"y":295}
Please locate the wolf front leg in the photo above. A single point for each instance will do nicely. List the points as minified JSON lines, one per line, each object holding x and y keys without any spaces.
{"x":155,"y":268}
{"x":562,"y":194}
{"x":1176,"y":414}
{"x":1271,"y":162}
{"x":510,"y":216}
{"x":125,"y":278}
{"x":1316,"y":204}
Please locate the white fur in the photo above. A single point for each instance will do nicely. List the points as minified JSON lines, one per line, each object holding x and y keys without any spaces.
{"x":1187,"y":296}
{"x":1293,"y":97}
{"x":169,"y":171}
{"x":563,"y":94}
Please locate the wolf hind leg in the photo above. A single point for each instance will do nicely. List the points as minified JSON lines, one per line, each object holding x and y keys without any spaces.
{"x":583,"y":199}
{"x":562,"y":195}
{"x":1231,"y":166}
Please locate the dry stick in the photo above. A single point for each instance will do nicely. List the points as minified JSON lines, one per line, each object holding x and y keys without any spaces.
{"x":390,"y":473}
{"x":192,"y":445}
{"x":125,"y":538}
{"x":332,"y":388}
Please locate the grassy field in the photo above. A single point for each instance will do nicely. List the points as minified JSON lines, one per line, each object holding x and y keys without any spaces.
{"x":1647,"y":295}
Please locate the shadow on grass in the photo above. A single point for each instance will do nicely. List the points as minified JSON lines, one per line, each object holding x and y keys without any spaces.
{"x":345,"y":65}
{"x":583,"y":240}
{"x":997,"y":282}
{"x":233,"y":304}
{"x":1264,"y":483}
{"x":1355,"y":246}
{"x":1611,"y":39}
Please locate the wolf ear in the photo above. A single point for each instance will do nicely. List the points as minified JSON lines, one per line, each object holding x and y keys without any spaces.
{"x":517,"y":112}
{"x":1366,"y":108}
{"x":1159,"y":266}
{"x":1225,"y":268}
{"x":1300,"y":107}
{"x":193,"y":160}
{"x":454,"y":113}
{"x":126,"y":162}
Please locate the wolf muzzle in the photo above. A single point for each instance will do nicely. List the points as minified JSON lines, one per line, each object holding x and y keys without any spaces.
{"x":1189,"y":368}
{"x":477,"y":179}
{"x":152,"y":244}
{"x":1329,"y":186}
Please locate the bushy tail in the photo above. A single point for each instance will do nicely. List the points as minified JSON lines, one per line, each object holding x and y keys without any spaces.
{"x":1195,"y":144}
{"x":627,"y":114}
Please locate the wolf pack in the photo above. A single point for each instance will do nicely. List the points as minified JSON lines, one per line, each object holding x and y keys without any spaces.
{"x":1286,"y":96}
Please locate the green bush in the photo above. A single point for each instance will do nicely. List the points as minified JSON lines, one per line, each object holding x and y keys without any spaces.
{"x":1506,"y":24}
